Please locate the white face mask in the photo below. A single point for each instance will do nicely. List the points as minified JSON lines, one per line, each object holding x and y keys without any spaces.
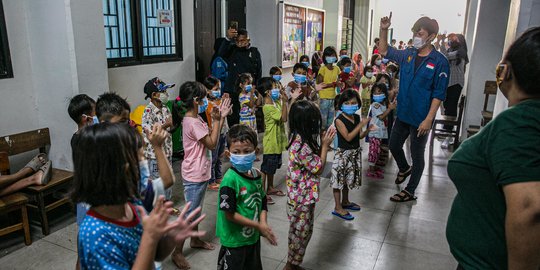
{"x":163,"y":97}
{"x":369,"y":74}
{"x":418,"y":42}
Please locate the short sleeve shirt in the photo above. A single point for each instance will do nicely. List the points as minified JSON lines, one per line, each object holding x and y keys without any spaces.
{"x":366,"y":91}
{"x":275,"y":140}
{"x":154,"y":115}
{"x":418,"y":87}
{"x":302,"y":180}
{"x":329,"y":76}
{"x":377,"y":109}
{"x":504,"y":152}
{"x":197,"y":158}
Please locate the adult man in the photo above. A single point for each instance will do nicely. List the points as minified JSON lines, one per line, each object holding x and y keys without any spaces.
{"x":241,"y":58}
{"x":422,"y":87}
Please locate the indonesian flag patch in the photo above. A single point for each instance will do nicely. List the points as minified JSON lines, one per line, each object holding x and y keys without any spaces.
{"x":243,"y":191}
{"x":430,"y":66}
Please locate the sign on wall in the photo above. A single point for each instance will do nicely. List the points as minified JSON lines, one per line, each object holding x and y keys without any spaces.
{"x":165,"y":18}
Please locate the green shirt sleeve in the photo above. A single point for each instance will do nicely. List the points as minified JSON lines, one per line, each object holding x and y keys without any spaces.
{"x":272,"y":112}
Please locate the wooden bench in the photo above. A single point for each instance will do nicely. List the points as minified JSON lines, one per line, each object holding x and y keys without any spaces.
{"x":490,"y":89}
{"x":12,"y":203}
{"x":42,"y":198}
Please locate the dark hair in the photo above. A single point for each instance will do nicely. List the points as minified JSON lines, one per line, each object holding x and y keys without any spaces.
{"x":393,"y":40}
{"x":305,"y":56}
{"x":242,"y":78}
{"x":274,"y":70}
{"x":241,"y":133}
{"x":112,"y":104}
{"x":266,"y":84}
{"x":366,"y":68}
{"x":374,"y":58}
{"x":386,"y":76}
{"x":79,"y":105}
{"x":305,"y":120}
{"x":101,"y":176}
{"x":426,"y":23}
{"x":523,"y":54}
{"x":345,"y":61}
{"x":381,"y":86}
{"x":315,"y":60}
{"x":392,"y":67}
{"x":150,"y":87}
{"x":210,"y":82}
{"x":346,"y":51}
{"x":298,"y":66}
{"x":376,"y":40}
{"x":242,"y":32}
{"x":189,"y":91}
{"x":461,"y":49}
{"x":328,"y":51}
{"x":348,"y":95}
{"x":336,"y":102}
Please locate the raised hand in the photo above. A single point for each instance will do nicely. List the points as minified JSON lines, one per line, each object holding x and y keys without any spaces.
{"x":232,"y":33}
{"x":283,"y":95}
{"x":329,"y":136}
{"x":183,"y":227}
{"x":156,"y":224}
{"x":365,"y":121}
{"x":215,"y":114}
{"x":386,"y":22}
{"x":157,"y":135}
{"x":226,"y":107}
{"x":392,"y":105}
{"x":295,"y":93}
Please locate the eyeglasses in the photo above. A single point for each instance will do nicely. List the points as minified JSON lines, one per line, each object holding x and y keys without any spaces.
{"x":498,"y":72}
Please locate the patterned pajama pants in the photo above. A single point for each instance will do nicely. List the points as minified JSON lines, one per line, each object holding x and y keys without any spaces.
{"x":374,"y":150}
{"x":301,"y":219}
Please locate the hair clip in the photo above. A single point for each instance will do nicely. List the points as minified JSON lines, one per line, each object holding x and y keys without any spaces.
{"x":178,"y":98}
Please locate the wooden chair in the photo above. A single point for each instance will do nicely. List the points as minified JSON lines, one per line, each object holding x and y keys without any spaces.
{"x":41,"y":197}
{"x":490,"y":89}
{"x":453,"y":121}
{"x":12,"y":203}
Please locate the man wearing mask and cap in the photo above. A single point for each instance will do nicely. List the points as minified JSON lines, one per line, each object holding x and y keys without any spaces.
{"x":422,"y":87}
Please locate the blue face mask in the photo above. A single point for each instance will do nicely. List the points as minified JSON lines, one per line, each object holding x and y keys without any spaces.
{"x":144,"y":172}
{"x":384,"y":60}
{"x":347,"y":69}
{"x":248,"y":88}
{"x":243,"y":163}
{"x":95,"y":119}
{"x":379,"y":98}
{"x":277,"y":77}
{"x":331,"y":59}
{"x":216,"y":93}
{"x":274,"y":94}
{"x":306,"y":64}
{"x":349,"y":109}
{"x":299,"y":78}
{"x":343,"y":56}
{"x":202,"y":108}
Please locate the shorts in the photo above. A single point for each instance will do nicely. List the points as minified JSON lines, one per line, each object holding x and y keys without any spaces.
{"x":240,"y":258}
{"x":271,"y":162}
{"x":194,"y":193}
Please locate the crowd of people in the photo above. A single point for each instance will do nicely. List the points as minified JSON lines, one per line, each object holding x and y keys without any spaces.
{"x":123,"y":177}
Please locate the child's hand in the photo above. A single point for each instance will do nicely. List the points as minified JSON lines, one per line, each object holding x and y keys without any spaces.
{"x":267,"y":233}
{"x":157,"y":135}
{"x":155,"y":225}
{"x":225,"y":96}
{"x":183,"y":227}
{"x":168,"y":122}
{"x":215,"y":114}
{"x":320,"y":86}
{"x":392,"y":105}
{"x":283,"y":95}
{"x":329,"y":136}
{"x":365,"y":121}
{"x":226,"y":107}
{"x":373,"y":128}
{"x":295,"y":93}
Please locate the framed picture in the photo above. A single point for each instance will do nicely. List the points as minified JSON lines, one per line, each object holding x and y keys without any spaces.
{"x":293,"y":34}
{"x":165,"y":18}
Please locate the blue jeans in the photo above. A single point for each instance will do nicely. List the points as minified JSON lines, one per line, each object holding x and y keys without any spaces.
{"x":216,"y":161}
{"x":327,"y":112}
{"x":154,"y":174}
{"x":400,"y":132}
{"x":194,"y":193}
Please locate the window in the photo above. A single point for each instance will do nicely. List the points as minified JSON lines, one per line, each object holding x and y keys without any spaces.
{"x":142,"y":31}
{"x":6,"y":70}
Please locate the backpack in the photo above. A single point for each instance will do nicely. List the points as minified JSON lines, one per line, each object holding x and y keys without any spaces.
{"x":219,"y":69}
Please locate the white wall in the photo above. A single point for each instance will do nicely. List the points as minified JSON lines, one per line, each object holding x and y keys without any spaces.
{"x":362,"y":12}
{"x":129,"y":81}
{"x":333,"y":22}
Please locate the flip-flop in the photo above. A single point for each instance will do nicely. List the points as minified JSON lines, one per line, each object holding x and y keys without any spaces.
{"x":47,"y":168}
{"x":276,"y":192}
{"x":403,"y":198}
{"x":347,"y":217}
{"x":404,"y":176}
{"x":352,"y":207}
{"x":37,"y":162}
{"x":269,"y":200}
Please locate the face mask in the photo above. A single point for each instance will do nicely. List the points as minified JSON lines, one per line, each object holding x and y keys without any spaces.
{"x":306,"y":64}
{"x":349,"y":109}
{"x":330,"y":59}
{"x":299,"y":78}
{"x":277,"y":77}
{"x":144,"y":171}
{"x":418,"y":42}
{"x":347,"y":69}
{"x":216,"y":93}
{"x":163,"y":97}
{"x":274,"y":94}
{"x":384,"y":61}
{"x":378,"y":62}
{"x":202,"y":108}
{"x":369,"y":74}
{"x":379,"y":98}
{"x":343,"y":56}
{"x":95,"y":119}
{"x":249,"y":87}
{"x":243,"y":163}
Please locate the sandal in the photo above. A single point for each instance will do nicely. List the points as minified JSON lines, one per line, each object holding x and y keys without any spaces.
{"x":403,"y":196}
{"x":214,"y":186}
{"x":347,"y":216}
{"x":269,"y":200}
{"x":351,"y":206}
{"x":47,"y":169}
{"x":374,"y":174}
{"x":403,"y":175}
{"x":276,"y":192}
{"x":37,"y":162}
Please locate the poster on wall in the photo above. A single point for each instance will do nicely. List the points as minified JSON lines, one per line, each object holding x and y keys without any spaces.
{"x":314,"y":31}
{"x":293,"y":36}
{"x":165,"y":18}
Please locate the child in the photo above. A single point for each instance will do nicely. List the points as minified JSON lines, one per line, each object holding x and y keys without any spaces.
{"x":380,"y":109}
{"x":377,"y":64}
{"x":346,"y":76}
{"x":366,"y":81}
{"x":110,"y":107}
{"x":248,"y":100}
{"x":391,"y":95}
{"x":156,"y":112}
{"x":198,"y":144}
{"x":300,"y":82}
{"x":307,"y":159}
{"x":275,"y":141}
{"x":117,"y":233}
{"x":328,"y":74}
{"x":276,"y":73}
{"x":347,"y":166}
{"x":241,"y":217}
{"x":214,"y":101}
{"x":304,"y":60}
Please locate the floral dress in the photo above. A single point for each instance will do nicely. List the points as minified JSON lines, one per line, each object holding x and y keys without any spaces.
{"x":247,"y":114}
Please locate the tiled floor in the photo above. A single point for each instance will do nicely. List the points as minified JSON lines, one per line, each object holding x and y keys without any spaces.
{"x":384,"y":235}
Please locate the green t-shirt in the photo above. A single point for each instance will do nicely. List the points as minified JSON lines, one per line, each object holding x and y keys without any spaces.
{"x":275,"y":140}
{"x":505,"y":151}
{"x":244,"y":195}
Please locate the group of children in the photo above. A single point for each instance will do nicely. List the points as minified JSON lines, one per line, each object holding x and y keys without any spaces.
{"x":122,"y":176}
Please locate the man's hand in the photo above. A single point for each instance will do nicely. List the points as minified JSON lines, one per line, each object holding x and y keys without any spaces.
{"x":424,"y":127}
{"x":386,"y":22}
{"x":232,"y":33}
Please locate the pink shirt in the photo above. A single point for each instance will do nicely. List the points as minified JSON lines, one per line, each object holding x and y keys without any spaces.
{"x":196,"y":165}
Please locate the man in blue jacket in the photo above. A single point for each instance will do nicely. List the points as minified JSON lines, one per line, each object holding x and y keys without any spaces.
{"x":423,"y":81}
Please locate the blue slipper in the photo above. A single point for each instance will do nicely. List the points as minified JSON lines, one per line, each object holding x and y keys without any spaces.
{"x":352,"y":207}
{"x":348,"y":216}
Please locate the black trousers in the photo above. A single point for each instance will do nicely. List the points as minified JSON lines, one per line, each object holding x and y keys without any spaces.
{"x":240,"y":258}
{"x":451,"y":103}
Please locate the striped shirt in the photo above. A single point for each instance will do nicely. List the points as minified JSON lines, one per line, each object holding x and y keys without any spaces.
{"x":457,"y":71}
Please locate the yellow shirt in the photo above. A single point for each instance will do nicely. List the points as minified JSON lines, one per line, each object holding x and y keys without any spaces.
{"x":329,"y":76}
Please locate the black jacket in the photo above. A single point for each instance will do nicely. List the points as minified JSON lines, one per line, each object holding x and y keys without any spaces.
{"x":240,"y":60}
